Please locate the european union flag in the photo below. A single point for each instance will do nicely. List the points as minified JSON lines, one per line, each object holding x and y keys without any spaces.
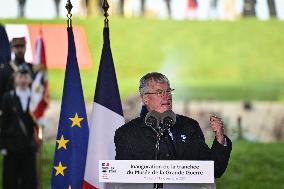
{"x":73,"y":131}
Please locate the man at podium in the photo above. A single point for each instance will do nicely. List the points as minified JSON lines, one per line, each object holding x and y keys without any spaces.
{"x":160,"y":134}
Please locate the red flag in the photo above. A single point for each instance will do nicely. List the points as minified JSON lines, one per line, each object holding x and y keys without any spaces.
{"x":40,"y":95}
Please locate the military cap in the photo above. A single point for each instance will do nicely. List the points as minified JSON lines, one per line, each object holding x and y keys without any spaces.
{"x":18,"y":41}
{"x":24,"y":69}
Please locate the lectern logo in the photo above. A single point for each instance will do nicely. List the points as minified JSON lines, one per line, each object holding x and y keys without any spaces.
{"x":105,"y":164}
{"x":105,"y":167}
{"x":107,"y":170}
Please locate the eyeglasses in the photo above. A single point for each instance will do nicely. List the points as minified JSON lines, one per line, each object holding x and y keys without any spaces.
{"x":160,"y":93}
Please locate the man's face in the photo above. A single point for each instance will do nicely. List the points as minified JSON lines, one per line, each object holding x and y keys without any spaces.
{"x":23,"y":80}
{"x":19,"y":51}
{"x":161,"y":102}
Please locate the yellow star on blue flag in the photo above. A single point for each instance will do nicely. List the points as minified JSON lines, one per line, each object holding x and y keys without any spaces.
{"x":60,"y":169}
{"x":76,"y":120}
{"x":62,"y":143}
{"x":71,"y":150}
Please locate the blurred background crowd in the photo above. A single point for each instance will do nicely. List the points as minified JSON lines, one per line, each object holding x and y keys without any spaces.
{"x":175,"y":9}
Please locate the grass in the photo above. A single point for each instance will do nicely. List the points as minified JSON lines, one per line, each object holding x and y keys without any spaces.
{"x":204,"y":60}
{"x":252,"y":166}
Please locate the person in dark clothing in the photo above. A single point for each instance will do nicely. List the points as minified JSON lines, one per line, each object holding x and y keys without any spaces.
{"x":121,"y":7}
{"x":18,"y":47}
{"x":168,"y":5}
{"x":249,"y":8}
{"x":21,"y":8}
{"x":142,"y":7}
{"x":184,"y":141}
{"x":272,"y":8}
{"x":169,"y":8}
{"x":57,"y":10}
{"x":18,"y":136}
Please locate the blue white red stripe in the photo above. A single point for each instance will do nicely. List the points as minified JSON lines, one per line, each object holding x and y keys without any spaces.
{"x":106,"y":117}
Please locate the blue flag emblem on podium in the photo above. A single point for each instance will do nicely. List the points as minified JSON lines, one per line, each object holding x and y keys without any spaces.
{"x":73,"y":131}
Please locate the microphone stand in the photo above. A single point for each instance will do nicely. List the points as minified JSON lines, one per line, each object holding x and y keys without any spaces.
{"x":159,"y":134}
{"x":153,"y":119}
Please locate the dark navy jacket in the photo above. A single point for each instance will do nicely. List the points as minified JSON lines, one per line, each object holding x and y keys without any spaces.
{"x":136,"y":141}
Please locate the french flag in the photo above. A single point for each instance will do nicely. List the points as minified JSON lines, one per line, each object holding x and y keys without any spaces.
{"x":106,"y":117}
{"x":40,"y":94}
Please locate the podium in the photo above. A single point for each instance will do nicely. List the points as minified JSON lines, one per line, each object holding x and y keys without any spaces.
{"x":142,"y":174}
{"x":165,"y":186}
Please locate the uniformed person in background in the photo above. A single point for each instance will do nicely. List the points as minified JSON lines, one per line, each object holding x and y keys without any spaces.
{"x":19,"y":134}
{"x":18,"y":48}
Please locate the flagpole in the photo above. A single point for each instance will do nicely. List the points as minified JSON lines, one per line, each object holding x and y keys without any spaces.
{"x":107,"y":111}
{"x":69,"y":7}
{"x":105,"y":7}
{"x":73,"y":130}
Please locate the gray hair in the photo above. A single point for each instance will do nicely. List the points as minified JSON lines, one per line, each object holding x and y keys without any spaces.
{"x":158,"y":77}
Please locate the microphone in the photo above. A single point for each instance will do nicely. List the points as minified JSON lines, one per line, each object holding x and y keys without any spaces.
{"x":168,"y":119}
{"x":153,"y":120}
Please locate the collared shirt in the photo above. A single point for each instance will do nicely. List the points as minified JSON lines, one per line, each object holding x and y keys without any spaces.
{"x":24,"y":96}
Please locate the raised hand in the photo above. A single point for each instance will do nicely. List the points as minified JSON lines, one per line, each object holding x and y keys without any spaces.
{"x":218,"y":128}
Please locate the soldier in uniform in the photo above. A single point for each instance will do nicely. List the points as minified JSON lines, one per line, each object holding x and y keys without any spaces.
{"x":19,"y":134}
{"x":18,"y":47}
{"x":21,"y":8}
